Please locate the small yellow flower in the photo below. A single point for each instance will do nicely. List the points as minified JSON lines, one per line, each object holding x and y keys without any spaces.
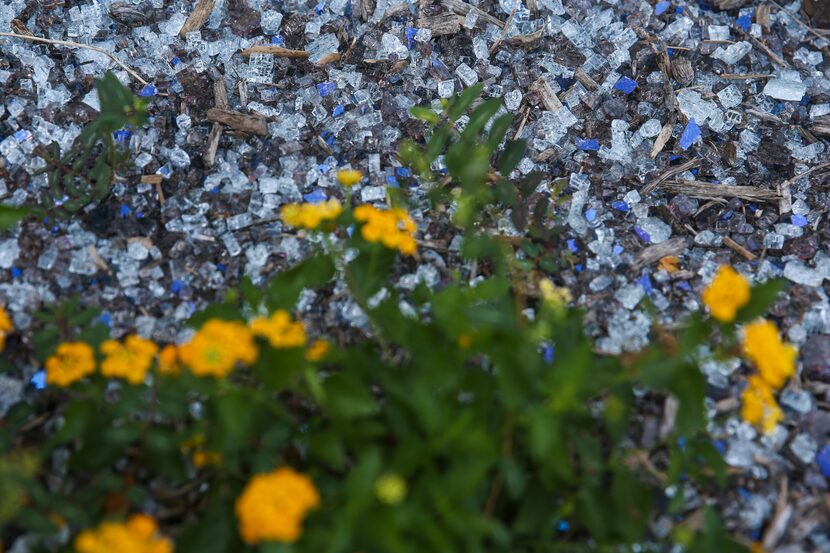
{"x":139,"y":534}
{"x":6,"y":326}
{"x":71,"y":362}
{"x":394,"y":228}
{"x":556,"y":296}
{"x":774,"y":359}
{"x":349,"y":177}
{"x":204,"y":458}
{"x":318,"y":350}
{"x":728,"y":292}
{"x":218,"y":347}
{"x":390,"y":488}
{"x":759,"y":405}
{"x":465,"y":341}
{"x":310,"y":216}
{"x":130,"y":360}
{"x":272,"y":506}
{"x":280,"y":331}
{"x":168,"y":362}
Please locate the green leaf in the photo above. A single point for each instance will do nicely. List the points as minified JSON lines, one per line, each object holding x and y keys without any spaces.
{"x":464,"y":100}
{"x":512,"y":155}
{"x":498,"y":130}
{"x":424,"y":114}
{"x":213,"y":533}
{"x":9,"y":216}
{"x":763,"y":296}
{"x":285,"y":288}
{"x":437,"y":143}
{"x":479,"y":118}
{"x":348,"y":398}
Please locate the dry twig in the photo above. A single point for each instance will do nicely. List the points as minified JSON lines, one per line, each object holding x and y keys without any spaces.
{"x":71,"y":44}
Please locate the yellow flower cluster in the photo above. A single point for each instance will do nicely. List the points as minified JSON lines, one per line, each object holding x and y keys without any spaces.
{"x":139,"y":534}
{"x":279,"y":330}
{"x":6,"y":326}
{"x":775,"y":361}
{"x":272,"y":506}
{"x":558,"y":297}
{"x":726,"y":294}
{"x":169,"y":360}
{"x":71,"y":362}
{"x":130,"y":360}
{"x":394,"y":228}
{"x":349,"y":177}
{"x":218,"y":347}
{"x":318,"y":350}
{"x":310,"y":216}
{"x":759,"y":405}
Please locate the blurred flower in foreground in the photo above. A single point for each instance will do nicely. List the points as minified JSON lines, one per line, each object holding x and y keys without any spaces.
{"x":728,"y":292}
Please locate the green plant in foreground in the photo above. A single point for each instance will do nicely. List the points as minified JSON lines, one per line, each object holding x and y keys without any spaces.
{"x":85,"y":173}
{"x":461,"y":425}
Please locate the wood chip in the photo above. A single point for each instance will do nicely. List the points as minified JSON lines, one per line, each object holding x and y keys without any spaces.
{"x":220,"y":94}
{"x":97,"y":259}
{"x":197,"y":17}
{"x":662,"y":137}
{"x":215,"y":135}
{"x":737,"y":248}
{"x":762,"y":16}
{"x":781,"y":517}
{"x":276,"y":51}
{"x":250,"y":124}
{"x":706,"y":191}
{"x":654,"y":253}
{"x":151,"y":179}
{"x":585,"y":79}
{"x":546,"y":94}
{"x":463,"y":8}
{"x":526,"y":40}
{"x":694,"y":162}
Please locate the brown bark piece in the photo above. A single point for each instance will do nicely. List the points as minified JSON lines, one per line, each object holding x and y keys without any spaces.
{"x":197,"y":17}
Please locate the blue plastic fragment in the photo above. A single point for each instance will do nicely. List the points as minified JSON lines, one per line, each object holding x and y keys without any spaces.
{"x":678,"y":10}
{"x":148,"y":90}
{"x":125,"y":210}
{"x":661,"y":8}
{"x":315,"y":197}
{"x":23,"y":135}
{"x":683,"y":285}
{"x":277,"y":40}
{"x":626,"y":84}
{"x":563,"y":526}
{"x":324,"y":89}
{"x":617,"y":249}
{"x":690,"y":134}
{"x":744,"y":22}
{"x":221,"y":267}
{"x":410,"y":36}
{"x":589,"y":144}
{"x":38,"y":380}
{"x":578,"y":267}
{"x":338,"y":111}
{"x":645,"y":282}
{"x":16,"y":272}
{"x":591,"y":214}
{"x":319,"y":7}
{"x":720,"y":445}
{"x":642,"y":234}
{"x":122,"y":135}
{"x":547,"y":354}
{"x":403,"y":172}
{"x":175,"y":61}
{"x":105,"y":319}
{"x":778,"y":108}
{"x":620,"y":205}
{"x":728,"y":215}
{"x":799,"y":220}
{"x":176,"y":286}
{"x":392,"y":181}
{"x":823,"y":460}
{"x":572,"y":245}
